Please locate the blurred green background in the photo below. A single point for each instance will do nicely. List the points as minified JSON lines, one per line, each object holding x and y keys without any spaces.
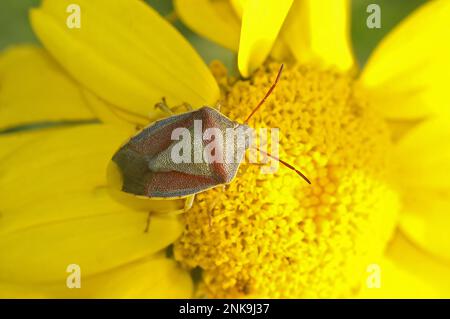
{"x":14,"y":26}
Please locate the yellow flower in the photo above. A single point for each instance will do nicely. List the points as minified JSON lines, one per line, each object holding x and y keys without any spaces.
{"x":407,"y":93}
{"x":373,"y":143}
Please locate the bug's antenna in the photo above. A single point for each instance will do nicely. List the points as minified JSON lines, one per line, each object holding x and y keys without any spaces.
{"x":265,"y":96}
{"x":285,"y":164}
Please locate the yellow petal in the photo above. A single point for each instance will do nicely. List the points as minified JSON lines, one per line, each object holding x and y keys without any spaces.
{"x":426,"y":220}
{"x":261,"y":22}
{"x":125,"y":53}
{"x":110,"y":114}
{"x":423,"y":157}
{"x":281,"y":51}
{"x":39,"y":163}
{"x":13,"y":291}
{"x":56,"y":209}
{"x":13,"y":142}
{"x":410,"y":70}
{"x":396,"y":283}
{"x":238,"y":6}
{"x":408,"y":272}
{"x":35,"y":89}
{"x":320,"y":31}
{"x":215,"y":20}
{"x":156,"y":277}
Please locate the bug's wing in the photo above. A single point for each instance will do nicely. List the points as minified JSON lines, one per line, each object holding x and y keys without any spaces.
{"x":164,"y":162}
{"x":177,"y":184}
{"x":237,"y":139}
{"x":140,"y":159}
{"x":139,"y":180}
{"x":157,"y":137}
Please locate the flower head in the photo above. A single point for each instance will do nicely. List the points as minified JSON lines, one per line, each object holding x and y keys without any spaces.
{"x":272,"y":231}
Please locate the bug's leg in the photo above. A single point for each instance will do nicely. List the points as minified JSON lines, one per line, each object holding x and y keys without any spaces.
{"x":212,"y":206}
{"x":189,"y":202}
{"x":187,"y":205}
{"x":210,"y":214}
{"x":188,"y":107}
{"x":243,"y":169}
{"x":172,"y":213}
{"x":163,"y":106}
{"x":218,"y":106}
{"x":137,"y":124}
{"x":147,"y":224}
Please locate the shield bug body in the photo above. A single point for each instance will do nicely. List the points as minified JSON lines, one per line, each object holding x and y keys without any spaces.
{"x":147,"y":166}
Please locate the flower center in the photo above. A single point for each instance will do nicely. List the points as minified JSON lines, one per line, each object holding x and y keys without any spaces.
{"x":274,"y":235}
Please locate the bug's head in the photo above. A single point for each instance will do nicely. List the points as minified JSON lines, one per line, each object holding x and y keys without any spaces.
{"x":237,"y":125}
{"x":244,"y":135}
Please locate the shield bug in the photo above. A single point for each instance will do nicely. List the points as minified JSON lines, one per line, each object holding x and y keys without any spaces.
{"x":147,"y":166}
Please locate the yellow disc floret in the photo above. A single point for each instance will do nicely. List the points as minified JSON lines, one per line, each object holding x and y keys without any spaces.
{"x":275,"y":235}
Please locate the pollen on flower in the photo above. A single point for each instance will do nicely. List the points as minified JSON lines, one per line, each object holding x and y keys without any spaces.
{"x":274,"y":235}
